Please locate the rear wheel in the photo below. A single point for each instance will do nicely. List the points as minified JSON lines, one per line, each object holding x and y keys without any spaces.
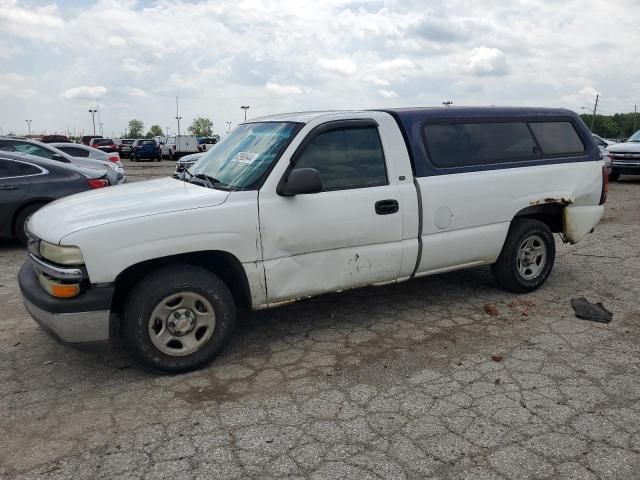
{"x":20,"y":224}
{"x":178,"y":319}
{"x":133,"y":158}
{"x":527,"y":257}
{"x":613,"y":176}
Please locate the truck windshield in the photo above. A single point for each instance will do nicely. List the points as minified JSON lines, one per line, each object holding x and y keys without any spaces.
{"x":240,"y":159}
{"x":635,"y":137}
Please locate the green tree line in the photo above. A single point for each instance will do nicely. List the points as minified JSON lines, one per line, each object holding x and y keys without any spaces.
{"x":619,"y":125}
{"x":201,"y":127}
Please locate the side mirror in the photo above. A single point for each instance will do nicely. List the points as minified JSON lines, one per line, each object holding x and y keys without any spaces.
{"x":301,"y":181}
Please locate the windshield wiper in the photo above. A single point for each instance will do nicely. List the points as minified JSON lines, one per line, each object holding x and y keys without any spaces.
{"x":201,"y":179}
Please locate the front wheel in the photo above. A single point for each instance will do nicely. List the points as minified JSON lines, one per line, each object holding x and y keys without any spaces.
{"x":178,"y":319}
{"x":527,"y":256}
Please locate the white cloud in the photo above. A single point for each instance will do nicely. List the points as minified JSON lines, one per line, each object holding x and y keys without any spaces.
{"x":85,"y":92}
{"x":37,"y":23}
{"x":278,"y":89}
{"x":136,"y":92}
{"x":116,"y":41}
{"x":485,"y":61}
{"x":343,"y":66}
{"x":387,"y":93}
{"x":293,"y":55}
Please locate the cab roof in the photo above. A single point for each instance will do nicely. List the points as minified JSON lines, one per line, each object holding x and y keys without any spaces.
{"x":425,"y":112}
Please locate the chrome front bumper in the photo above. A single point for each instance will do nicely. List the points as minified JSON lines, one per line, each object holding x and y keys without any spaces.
{"x":78,"y":327}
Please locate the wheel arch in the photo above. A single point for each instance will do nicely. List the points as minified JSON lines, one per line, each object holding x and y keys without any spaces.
{"x":224,"y":264}
{"x":551,"y":214}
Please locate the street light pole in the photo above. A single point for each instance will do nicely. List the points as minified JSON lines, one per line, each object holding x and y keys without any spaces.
{"x":93,"y":118}
{"x":178,"y":117}
{"x":29,"y":126}
{"x":245,"y":108}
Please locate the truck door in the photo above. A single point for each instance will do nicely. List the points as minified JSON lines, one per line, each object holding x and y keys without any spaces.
{"x":349,"y":234}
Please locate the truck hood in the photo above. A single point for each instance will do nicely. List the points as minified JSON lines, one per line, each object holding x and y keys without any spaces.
{"x":114,"y":204}
{"x":628,"y":147}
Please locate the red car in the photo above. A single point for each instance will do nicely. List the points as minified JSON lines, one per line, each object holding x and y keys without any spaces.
{"x":104,"y":144}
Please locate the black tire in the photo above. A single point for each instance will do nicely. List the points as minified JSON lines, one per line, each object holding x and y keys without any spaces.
{"x":614,"y":176}
{"x":133,"y":158}
{"x":20,"y":222}
{"x":171,"y":156}
{"x":508,"y":269}
{"x":150,"y":292}
{"x":158,"y":159}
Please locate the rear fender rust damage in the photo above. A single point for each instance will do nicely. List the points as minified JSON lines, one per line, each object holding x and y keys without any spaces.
{"x":560,"y":201}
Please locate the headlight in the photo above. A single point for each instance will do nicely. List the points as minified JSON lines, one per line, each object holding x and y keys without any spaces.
{"x":62,"y":255}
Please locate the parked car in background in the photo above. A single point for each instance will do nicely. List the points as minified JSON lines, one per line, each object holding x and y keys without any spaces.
{"x":602,"y":145}
{"x":145,"y":149}
{"x":55,"y":139}
{"x":186,"y":162}
{"x":115,"y":172}
{"x":87,"y":139}
{"x":28,"y":182}
{"x":124,"y":146}
{"x":296,"y":205}
{"x":625,"y":157}
{"x":104,"y":144}
{"x":84,"y":151}
{"x":179,"y":146}
{"x":205,"y":143}
{"x":78,"y":150}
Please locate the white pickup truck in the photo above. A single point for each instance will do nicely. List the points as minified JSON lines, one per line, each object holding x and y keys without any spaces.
{"x":291,"y":206}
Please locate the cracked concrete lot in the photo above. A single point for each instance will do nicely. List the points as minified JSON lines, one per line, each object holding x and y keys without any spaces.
{"x":443,"y":377}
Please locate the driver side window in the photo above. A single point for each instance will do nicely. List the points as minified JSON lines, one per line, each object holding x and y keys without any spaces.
{"x":346,"y":158}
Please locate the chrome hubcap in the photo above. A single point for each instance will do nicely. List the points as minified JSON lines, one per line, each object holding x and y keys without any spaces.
{"x":532,"y":257}
{"x":181,"y":323}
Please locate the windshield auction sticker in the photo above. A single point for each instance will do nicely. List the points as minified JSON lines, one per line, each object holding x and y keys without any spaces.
{"x":245,"y":157}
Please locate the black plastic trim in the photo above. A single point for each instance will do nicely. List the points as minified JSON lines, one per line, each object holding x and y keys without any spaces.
{"x":92,"y":300}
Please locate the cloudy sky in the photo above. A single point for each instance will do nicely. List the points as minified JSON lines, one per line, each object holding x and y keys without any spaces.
{"x":56,"y":57}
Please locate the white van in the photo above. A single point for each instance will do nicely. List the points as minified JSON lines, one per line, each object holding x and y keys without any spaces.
{"x":291,"y":206}
{"x":178,"y":146}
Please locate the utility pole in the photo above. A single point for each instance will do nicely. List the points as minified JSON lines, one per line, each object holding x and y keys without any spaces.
{"x":29,"y":126}
{"x":93,"y":118}
{"x":178,"y":117}
{"x":99,"y":119}
{"x":245,"y":108}
{"x":635,"y":114}
{"x":595,"y":108}
{"x":228,"y":127}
